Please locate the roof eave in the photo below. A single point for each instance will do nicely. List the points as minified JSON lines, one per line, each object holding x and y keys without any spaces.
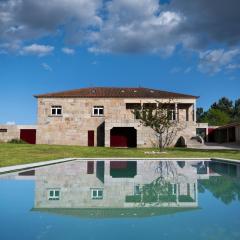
{"x":180,"y":97}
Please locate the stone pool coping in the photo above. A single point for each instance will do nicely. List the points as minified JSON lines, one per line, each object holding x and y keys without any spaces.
{"x":51,"y":162}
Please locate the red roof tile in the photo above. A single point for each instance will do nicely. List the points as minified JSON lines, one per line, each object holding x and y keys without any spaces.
{"x":115,"y":92}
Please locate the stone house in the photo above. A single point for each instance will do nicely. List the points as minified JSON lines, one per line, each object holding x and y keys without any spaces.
{"x":102,"y":116}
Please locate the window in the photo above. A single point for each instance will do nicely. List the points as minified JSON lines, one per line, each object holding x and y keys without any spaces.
{"x":97,"y":193}
{"x":133,"y":106}
{"x":54,"y":194}
{"x":174,"y":189}
{"x":172,"y":114}
{"x":98,"y":111}
{"x":149,"y":105}
{"x":3,"y":130}
{"x":56,"y":110}
{"x":137,"y":190}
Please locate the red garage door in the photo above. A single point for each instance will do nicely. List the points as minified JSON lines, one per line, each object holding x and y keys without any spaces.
{"x":123,"y":137}
{"x":28,"y":135}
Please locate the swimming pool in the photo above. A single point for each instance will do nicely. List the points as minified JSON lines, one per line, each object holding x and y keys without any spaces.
{"x":111,"y":199}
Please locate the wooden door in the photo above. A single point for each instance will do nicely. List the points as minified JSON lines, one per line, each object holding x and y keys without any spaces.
{"x":90,"y":138}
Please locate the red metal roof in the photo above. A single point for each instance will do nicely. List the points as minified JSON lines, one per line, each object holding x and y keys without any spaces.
{"x":115,"y":92}
{"x":235,"y":124}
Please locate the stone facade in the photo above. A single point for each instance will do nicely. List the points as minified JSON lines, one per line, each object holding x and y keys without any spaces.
{"x":9,"y":132}
{"x":72,"y":126}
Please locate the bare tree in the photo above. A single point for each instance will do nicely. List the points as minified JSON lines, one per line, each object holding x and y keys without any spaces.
{"x":162,"y":118}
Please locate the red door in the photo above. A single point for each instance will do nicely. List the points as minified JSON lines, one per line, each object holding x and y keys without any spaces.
{"x":119,"y":141}
{"x":123,"y":137}
{"x":90,"y":138}
{"x":28,"y":135}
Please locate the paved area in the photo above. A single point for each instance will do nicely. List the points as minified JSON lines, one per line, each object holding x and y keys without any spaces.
{"x":218,"y":146}
{"x":33,"y":165}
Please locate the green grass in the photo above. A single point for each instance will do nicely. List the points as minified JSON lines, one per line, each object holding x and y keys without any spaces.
{"x":13,"y":154}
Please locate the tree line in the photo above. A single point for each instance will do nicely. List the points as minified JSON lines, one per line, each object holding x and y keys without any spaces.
{"x":222,"y":112}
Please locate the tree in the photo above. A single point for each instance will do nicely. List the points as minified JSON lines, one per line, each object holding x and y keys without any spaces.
{"x":236,"y":111}
{"x":224,"y":188}
{"x":221,"y":112}
{"x":200,"y":114}
{"x":216,"y":117}
{"x":161,"y":117}
{"x":224,"y":104}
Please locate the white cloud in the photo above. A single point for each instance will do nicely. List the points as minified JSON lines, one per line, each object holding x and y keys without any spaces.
{"x":68,"y":51}
{"x":233,"y":66}
{"x":22,"y":20}
{"x":46,"y":67}
{"x":2,"y":51}
{"x":136,"y":26}
{"x":213,"y":61}
{"x":122,"y":26}
{"x":36,"y":49}
{"x":10,"y":123}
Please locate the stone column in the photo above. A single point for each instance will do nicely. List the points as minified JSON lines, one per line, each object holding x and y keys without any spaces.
{"x":107,"y":137}
{"x":176,"y":111}
{"x":194,"y":113}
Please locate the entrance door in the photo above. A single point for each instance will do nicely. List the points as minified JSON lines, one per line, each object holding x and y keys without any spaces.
{"x":90,"y":138}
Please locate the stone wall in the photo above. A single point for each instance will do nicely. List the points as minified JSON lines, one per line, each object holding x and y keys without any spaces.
{"x":71,"y":128}
{"x":9,"y":132}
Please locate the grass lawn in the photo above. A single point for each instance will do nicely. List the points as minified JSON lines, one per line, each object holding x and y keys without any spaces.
{"x":13,"y":154}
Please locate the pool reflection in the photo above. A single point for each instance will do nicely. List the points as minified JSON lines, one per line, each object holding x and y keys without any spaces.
{"x":119,"y":188}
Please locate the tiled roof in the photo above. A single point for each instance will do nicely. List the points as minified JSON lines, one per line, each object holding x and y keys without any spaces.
{"x":114,"y":92}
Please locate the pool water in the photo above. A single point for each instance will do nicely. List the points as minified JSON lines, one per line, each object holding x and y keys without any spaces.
{"x":107,"y":199}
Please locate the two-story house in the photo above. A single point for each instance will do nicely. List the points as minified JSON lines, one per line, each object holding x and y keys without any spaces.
{"x":102,"y":116}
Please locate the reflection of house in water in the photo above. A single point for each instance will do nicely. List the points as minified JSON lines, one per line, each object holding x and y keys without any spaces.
{"x":129,"y":188}
{"x":117,"y":185}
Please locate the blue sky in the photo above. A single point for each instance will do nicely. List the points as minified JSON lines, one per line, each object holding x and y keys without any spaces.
{"x":116,"y":43}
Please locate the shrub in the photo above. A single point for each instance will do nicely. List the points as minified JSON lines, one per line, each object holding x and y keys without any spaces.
{"x":16,"y":141}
